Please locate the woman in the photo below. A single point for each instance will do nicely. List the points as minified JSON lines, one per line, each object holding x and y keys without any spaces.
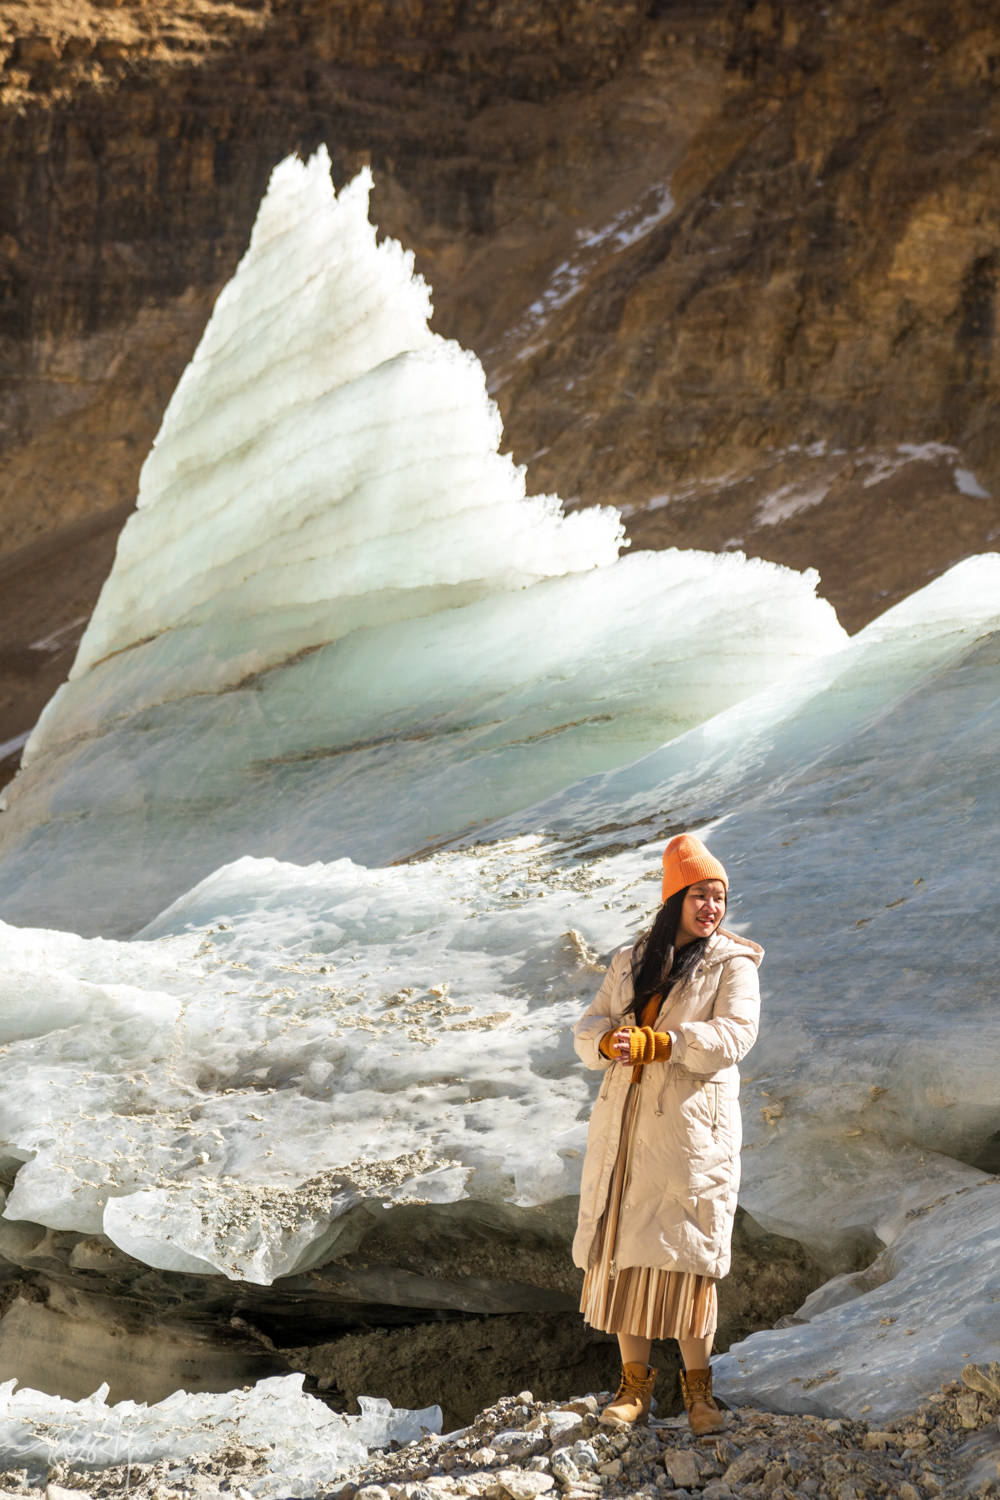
{"x":676,"y":1012}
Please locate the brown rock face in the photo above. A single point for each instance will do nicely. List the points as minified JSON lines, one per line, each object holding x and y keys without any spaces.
{"x":720,"y":259}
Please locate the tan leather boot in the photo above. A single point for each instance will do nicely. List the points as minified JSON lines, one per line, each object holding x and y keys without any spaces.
{"x":699,"y":1403}
{"x":629,"y":1406}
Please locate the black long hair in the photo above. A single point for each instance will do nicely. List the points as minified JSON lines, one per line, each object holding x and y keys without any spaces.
{"x":656,"y":963}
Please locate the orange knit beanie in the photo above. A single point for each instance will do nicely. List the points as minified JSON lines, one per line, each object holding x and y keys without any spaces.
{"x":685,"y":860}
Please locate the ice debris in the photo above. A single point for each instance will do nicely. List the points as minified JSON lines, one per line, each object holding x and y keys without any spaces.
{"x":290,"y":1443}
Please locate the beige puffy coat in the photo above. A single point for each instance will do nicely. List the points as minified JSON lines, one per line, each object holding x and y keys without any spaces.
{"x":680,"y":1197}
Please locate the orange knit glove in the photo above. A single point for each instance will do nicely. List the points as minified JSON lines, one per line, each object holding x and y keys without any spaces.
{"x":662,"y":1046}
{"x":646,"y":1045}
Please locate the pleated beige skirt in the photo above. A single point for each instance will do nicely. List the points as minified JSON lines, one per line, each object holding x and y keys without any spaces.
{"x":641,"y":1300}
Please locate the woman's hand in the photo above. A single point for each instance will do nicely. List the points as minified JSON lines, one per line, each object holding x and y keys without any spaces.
{"x":621,"y":1044}
{"x":615,"y":1045}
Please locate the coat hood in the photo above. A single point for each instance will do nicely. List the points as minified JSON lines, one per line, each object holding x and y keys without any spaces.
{"x":722,"y":945}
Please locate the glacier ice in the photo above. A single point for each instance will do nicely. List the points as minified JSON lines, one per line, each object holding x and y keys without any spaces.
{"x":305,"y":1444}
{"x":321,"y":1044}
{"x":338,"y":632}
{"x":335,"y":597}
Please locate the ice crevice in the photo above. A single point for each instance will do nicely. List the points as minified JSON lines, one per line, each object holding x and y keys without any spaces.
{"x":257,"y":1039}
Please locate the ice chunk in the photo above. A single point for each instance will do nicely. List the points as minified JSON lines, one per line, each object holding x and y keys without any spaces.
{"x":305,"y":1444}
{"x":318,"y":431}
{"x":347,"y":1038}
{"x":323,"y":446}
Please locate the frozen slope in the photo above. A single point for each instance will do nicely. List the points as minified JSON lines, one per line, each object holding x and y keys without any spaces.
{"x":873,"y":1342}
{"x":336,"y":624}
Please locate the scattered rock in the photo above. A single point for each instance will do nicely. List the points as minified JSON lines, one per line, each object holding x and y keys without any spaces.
{"x":522,"y":1484}
{"x":514,"y":1444}
{"x":680,"y":1464}
{"x":563,"y":1426}
{"x":564,"y":1467}
{"x":985,"y":1380}
{"x":749,"y":1465}
{"x":585,"y":1455}
{"x":481,"y":1483}
{"x":968,"y":1410}
{"x":584,"y":1406}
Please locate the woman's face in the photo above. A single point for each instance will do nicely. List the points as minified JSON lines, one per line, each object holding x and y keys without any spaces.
{"x":704,"y":908}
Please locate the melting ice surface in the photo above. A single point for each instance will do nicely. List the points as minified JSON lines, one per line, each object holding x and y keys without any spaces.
{"x":337,"y":628}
